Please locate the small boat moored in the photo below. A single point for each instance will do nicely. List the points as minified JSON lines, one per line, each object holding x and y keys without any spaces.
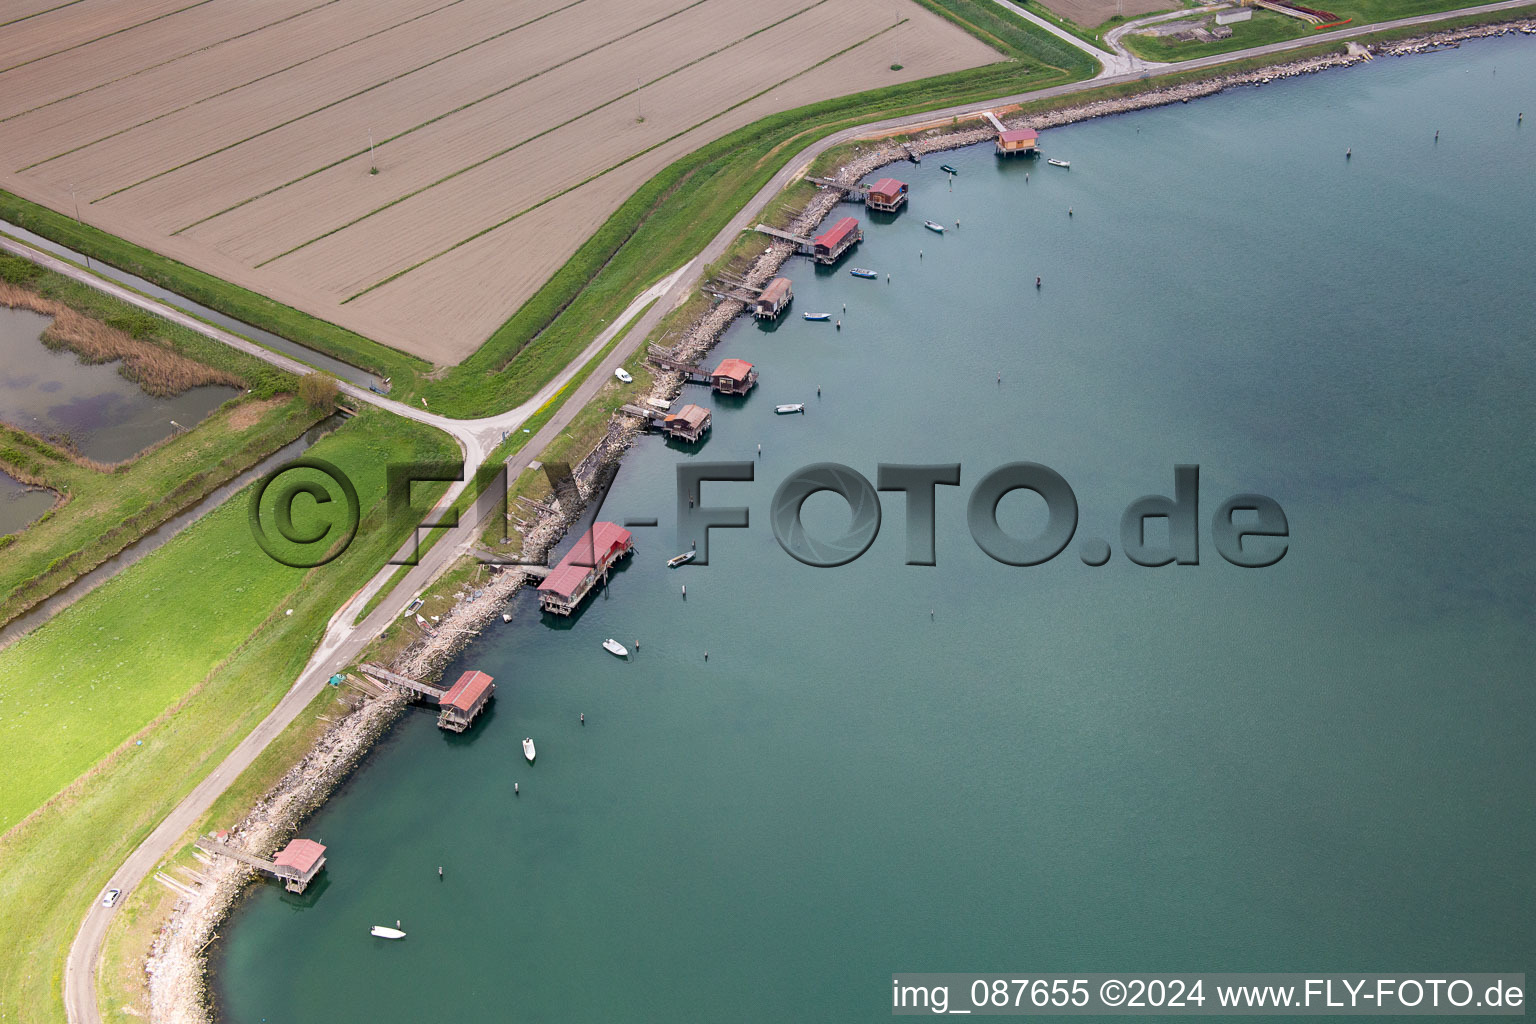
{"x":677,"y":560}
{"x":863,"y":272}
{"x":818,"y":316}
{"x":933,"y":226}
{"x":1059,"y":163}
{"x":623,"y":375}
{"x":789,"y":408}
{"x":528,"y":750}
{"x":948,"y":169}
{"x":612,"y":646}
{"x":383,"y":931}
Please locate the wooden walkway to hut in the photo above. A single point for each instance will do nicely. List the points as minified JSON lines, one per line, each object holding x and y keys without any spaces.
{"x":458,"y":705}
{"x":296,"y":865}
{"x":802,"y":243}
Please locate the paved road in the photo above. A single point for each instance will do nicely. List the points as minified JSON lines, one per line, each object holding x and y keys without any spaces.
{"x":344,"y":641}
{"x":1120,"y":62}
{"x":1119,"y":31}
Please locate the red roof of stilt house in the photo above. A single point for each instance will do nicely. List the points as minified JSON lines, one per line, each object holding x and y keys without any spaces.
{"x":693,"y":415}
{"x":1020,"y":135}
{"x":594,"y":547}
{"x":463,"y":694}
{"x":888,"y":187}
{"x":777,"y":289}
{"x":733,"y":369}
{"x":839,"y":231}
{"x":301,"y":855}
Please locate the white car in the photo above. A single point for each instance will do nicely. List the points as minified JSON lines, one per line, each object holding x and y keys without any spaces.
{"x":111,"y":897}
{"x":623,"y":375}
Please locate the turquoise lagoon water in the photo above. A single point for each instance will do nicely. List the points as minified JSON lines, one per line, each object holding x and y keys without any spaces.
{"x":1320,"y":766}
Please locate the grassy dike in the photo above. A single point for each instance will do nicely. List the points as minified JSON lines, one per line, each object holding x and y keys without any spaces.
{"x":659,"y":228}
{"x":121,"y":983}
{"x":146,"y":684}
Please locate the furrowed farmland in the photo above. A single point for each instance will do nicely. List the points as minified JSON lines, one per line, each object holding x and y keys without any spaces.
{"x":410,"y":169}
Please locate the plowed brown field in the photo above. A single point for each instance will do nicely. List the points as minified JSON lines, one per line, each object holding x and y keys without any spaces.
{"x":234,"y":137}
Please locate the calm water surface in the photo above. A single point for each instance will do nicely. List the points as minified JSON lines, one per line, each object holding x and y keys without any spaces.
{"x":20,"y":504}
{"x":107,"y":416}
{"x":1323,"y":765}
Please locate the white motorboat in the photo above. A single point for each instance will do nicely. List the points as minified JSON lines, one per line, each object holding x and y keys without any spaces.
{"x":506,"y":616}
{"x":384,"y":931}
{"x":528,"y":750}
{"x":623,"y":375}
{"x":789,"y":407}
{"x":1059,"y":163}
{"x":933,"y":226}
{"x":677,"y":560}
{"x":612,"y":646}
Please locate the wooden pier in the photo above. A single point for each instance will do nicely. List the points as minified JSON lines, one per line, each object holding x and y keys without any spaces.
{"x":727,"y":287}
{"x":416,"y":686}
{"x":664,"y":359}
{"x":886,"y":195}
{"x":826,"y":247}
{"x":851,"y":193}
{"x":802,"y":244}
{"x":690,"y":423}
{"x":731,"y":377}
{"x":296,"y":865}
{"x":458,"y":705}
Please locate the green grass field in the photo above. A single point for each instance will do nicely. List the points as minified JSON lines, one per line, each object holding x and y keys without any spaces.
{"x":107,"y":510}
{"x":80,"y":686}
{"x":660,"y":227}
{"x":206,"y":651}
{"x":1263,"y":28}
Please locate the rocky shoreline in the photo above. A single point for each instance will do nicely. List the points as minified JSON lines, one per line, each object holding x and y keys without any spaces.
{"x":177,"y":964}
{"x":176,"y":968}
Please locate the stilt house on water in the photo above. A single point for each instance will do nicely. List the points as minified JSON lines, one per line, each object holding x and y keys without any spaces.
{"x":584,"y":566}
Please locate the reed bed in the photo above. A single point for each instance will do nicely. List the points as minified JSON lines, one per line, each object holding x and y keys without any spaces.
{"x":158,"y":370}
